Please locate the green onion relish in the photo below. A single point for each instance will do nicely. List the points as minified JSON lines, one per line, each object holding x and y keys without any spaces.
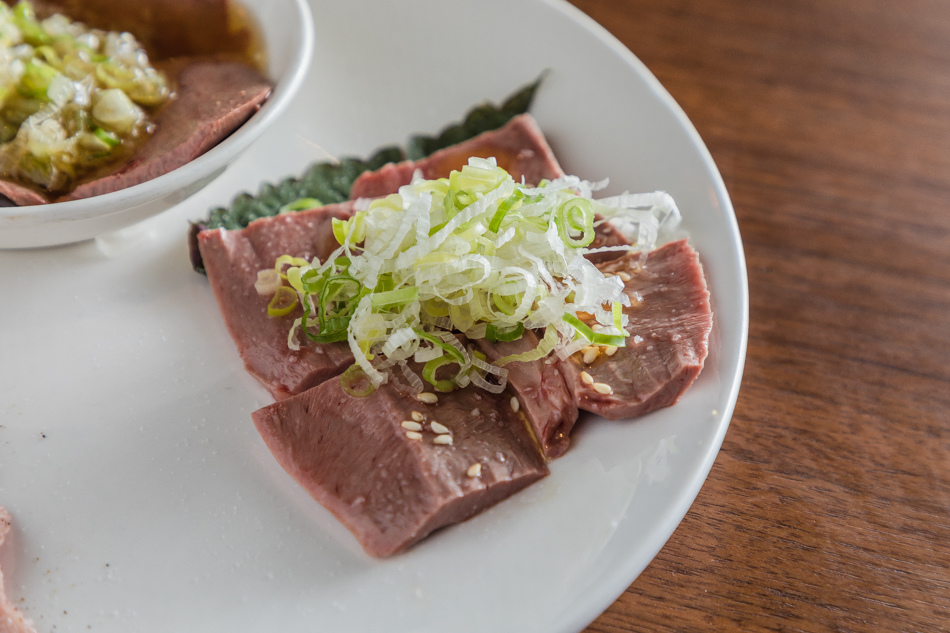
{"x":72,"y":98}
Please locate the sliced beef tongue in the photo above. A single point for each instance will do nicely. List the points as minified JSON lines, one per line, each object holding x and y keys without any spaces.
{"x":669,"y":323}
{"x":542,"y":392}
{"x":11,"y":620}
{"x":213,"y":99}
{"x":519,"y":147}
{"x":232,"y":260}
{"x":21,"y":195}
{"x":391,"y":485}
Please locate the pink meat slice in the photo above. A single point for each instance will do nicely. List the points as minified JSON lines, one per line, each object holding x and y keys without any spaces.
{"x":213,"y":99}
{"x":232,"y":260}
{"x":669,"y":323}
{"x":354,"y":457}
{"x":519,"y":147}
{"x":11,"y":620}
{"x":21,"y":195}
{"x":542,"y":391}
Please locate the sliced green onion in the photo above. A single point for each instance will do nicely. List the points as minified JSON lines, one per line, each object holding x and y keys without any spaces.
{"x":391,"y":298}
{"x":545,"y":346}
{"x":455,"y":201}
{"x":37,"y":76}
{"x":283,"y":303}
{"x":451,"y":350}
{"x":511,"y":203}
{"x":300,"y":204}
{"x":576,"y":216}
{"x":351,"y":228}
{"x":32,"y":31}
{"x":287,"y":260}
{"x":356,"y":383}
{"x":428,"y":373}
{"x":112,"y":75}
{"x":109,"y":138}
{"x":617,"y":313}
{"x":494,"y":334}
{"x":601,"y":338}
{"x":340,"y":229}
{"x":582,"y":328}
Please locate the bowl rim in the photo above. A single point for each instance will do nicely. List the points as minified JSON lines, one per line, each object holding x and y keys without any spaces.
{"x":202,"y":167}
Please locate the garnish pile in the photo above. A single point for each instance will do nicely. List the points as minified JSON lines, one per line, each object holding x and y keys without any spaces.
{"x":475,"y":254}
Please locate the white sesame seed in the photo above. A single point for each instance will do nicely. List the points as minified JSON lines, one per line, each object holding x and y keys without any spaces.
{"x":412,"y":426}
{"x":416,"y":416}
{"x":427,"y":397}
{"x":602,"y":388}
{"x":441,"y":429}
{"x":412,"y":435}
{"x":515,"y":404}
{"x":610,"y":350}
{"x":591,"y":354}
{"x":586,"y":378}
{"x":623,"y":276}
{"x":474,"y":470}
{"x":442,"y":439}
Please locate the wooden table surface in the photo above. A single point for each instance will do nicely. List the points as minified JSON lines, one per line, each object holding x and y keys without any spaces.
{"x":828,"y":508}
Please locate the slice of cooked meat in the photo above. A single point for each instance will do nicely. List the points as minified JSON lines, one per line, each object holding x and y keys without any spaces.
{"x":356,"y":458}
{"x":213,"y":99}
{"x":21,"y":195}
{"x":669,"y":324}
{"x":519,"y":147}
{"x":232,"y":260}
{"x":542,"y":391}
{"x":11,"y":620}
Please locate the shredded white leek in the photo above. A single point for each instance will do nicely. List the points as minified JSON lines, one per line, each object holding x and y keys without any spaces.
{"x":476,"y":254}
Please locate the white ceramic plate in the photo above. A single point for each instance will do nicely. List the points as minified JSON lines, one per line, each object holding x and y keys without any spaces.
{"x":143,"y":498}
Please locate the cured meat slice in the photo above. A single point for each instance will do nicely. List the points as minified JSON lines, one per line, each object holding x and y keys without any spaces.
{"x":11,"y":620}
{"x":519,"y":147}
{"x":542,"y":391}
{"x":389,"y":487}
{"x":669,"y":324}
{"x":232,"y":260}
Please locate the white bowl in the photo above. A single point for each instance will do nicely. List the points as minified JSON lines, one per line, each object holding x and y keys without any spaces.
{"x":287,"y":27}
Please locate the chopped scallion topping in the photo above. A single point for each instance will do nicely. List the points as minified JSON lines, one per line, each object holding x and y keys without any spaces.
{"x":476,"y":254}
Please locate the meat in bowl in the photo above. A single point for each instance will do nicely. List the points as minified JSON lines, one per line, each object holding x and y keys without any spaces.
{"x":87,"y":110}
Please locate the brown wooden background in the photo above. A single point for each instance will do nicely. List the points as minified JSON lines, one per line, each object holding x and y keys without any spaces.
{"x":828,"y":508}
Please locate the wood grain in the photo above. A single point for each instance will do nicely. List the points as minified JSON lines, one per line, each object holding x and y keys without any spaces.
{"x":828,"y":508}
